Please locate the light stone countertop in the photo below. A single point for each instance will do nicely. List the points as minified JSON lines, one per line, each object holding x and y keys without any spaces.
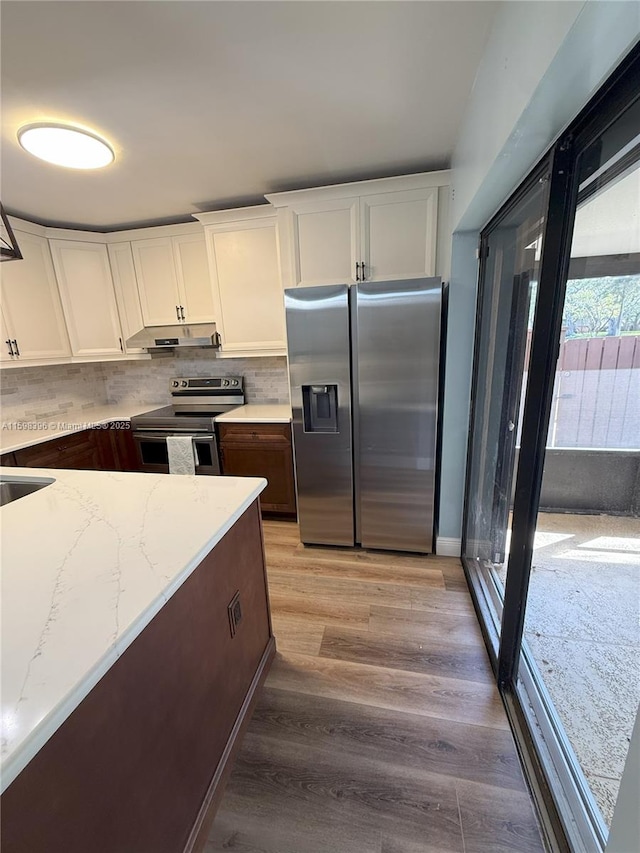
{"x":87,"y":562}
{"x":258,"y":413}
{"x":16,"y":435}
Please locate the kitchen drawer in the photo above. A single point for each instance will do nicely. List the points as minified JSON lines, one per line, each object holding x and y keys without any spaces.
{"x":253,"y":432}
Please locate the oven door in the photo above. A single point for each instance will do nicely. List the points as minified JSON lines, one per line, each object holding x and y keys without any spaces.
{"x":153,"y":457}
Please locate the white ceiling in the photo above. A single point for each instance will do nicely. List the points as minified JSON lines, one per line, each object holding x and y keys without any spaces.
{"x":212,"y":104}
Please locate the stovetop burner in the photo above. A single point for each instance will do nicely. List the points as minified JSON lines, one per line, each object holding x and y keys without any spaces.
{"x":196,"y":403}
{"x":176,"y":412}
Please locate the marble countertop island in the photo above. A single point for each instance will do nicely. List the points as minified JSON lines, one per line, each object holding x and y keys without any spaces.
{"x":87,"y":562}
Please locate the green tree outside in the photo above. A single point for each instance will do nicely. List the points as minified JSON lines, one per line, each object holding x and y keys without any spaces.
{"x":602,"y":306}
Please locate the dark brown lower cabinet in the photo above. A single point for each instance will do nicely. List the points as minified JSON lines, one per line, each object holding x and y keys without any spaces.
{"x":78,"y":450}
{"x":139,"y":766}
{"x":8,"y":459}
{"x":118,"y":448}
{"x":108,"y":448}
{"x":261,"y":450}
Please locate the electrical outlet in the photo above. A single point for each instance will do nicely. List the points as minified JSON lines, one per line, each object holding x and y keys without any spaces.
{"x":234,"y":609}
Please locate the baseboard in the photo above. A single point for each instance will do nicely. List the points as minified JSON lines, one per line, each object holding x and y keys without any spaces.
{"x":447,"y":546}
{"x":204,"y":821}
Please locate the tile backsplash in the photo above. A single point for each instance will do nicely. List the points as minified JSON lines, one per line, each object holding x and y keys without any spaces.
{"x":265,"y":379}
{"x":56,"y":391}
{"x":52,"y":392}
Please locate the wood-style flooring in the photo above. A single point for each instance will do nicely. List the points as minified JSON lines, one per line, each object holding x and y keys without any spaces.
{"x":380,"y":728}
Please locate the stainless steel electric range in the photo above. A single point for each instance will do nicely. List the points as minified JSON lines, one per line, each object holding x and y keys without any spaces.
{"x":196,"y":403}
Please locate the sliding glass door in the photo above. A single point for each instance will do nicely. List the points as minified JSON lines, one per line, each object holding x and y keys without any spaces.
{"x":551,"y":539}
{"x":510,"y":255}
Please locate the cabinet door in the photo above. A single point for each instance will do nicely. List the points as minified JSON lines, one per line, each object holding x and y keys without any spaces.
{"x":246,"y":275}
{"x":6,"y":347}
{"x":261,"y":450}
{"x":399,"y":234}
{"x":325,"y":242}
{"x":88,"y":298}
{"x":126,"y":289}
{"x":31,"y":302}
{"x":78,"y":450}
{"x":123,"y":445}
{"x":104,"y":445}
{"x":157,"y":281}
{"x":194,"y":280}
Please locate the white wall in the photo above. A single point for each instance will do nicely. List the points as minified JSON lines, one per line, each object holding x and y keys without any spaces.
{"x":523,"y":41}
{"x":455,"y":416}
{"x":542,"y":63}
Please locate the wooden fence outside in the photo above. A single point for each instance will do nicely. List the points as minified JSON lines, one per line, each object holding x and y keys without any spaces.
{"x":596,"y":396}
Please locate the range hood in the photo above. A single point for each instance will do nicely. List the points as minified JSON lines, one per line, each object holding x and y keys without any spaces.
{"x":172,"y":337}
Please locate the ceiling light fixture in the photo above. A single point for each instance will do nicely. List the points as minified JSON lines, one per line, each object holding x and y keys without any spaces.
{"x":64,"y":145}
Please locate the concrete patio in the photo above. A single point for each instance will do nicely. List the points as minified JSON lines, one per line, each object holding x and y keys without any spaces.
{"x":582,"y":627}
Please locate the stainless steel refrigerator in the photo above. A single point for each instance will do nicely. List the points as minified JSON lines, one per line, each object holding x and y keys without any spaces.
{"x":363,"y":370}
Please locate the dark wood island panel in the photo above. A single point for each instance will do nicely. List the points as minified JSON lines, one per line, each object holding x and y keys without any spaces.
{"x":139,"y":766}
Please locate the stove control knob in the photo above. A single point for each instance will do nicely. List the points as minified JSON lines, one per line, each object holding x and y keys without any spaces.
{"x":184,"y":383}
{"x":175,"y":383}
{"x":235,"y":382}
{"x":225,"y":383}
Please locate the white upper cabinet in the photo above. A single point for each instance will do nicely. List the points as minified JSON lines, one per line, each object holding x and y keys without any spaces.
{"x":325,"y":237}
{"x":31,"y":304}
{"x":88,"y":298}
{"x":247,"y":284}
{"x":398,"y":234}
{"x":370,"y":230}
{"x":126,"y":290}
{"x":194,"y":280}
{"x":6,"y":347}
{"x":157,"y":280}
{"x":173,"y":280}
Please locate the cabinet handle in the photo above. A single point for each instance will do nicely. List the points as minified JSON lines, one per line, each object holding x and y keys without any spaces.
{"x":177,"y":312}
{"x":8,"y":343}
{"x":182,"y":311}
{"x":121,"y":347}
{"x":357,"y":271}
{"x":362,"y":275}
{"x":15,"y":346}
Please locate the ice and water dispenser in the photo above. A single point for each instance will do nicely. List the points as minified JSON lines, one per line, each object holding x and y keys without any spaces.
{"x":320,"y":408}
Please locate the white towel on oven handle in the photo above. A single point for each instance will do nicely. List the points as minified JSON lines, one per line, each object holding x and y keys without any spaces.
{"x":181,"y":453}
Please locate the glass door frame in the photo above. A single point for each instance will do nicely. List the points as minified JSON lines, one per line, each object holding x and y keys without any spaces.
{"x":568,"y":814}
{"x":487,"y":599}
